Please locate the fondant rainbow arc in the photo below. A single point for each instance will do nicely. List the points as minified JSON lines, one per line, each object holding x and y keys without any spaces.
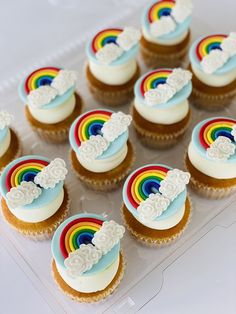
{"x":209,"y":43}
{"x":105,"y":37}
{"x":215,"y":128}
{"x":144,"y":182}
{"x":25,"y":170}
{"x":90,"y":124}
{"x":40,"y":77}
{"x":153,"y":79}
{"x":77,"y":232}
{"x":160,"y":9}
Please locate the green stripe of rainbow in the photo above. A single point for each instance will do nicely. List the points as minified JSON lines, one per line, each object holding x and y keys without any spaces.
{"x":104,"y":37}
{"x":159,"y":9}
{"x":207,"y":44}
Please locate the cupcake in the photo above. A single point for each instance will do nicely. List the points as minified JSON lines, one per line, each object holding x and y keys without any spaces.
{"x":211,"y":157}
{"x":156,"y":208}
{"x":34,"y":198}
{"x":161,"y":110}
{"x":165,"y":33}
{"x":101,"y":154}
{"x":112,"y":68}
{"x":87,"y":263}
{"x":213,"y":63}
{"x":9,"y":141}
{"x":51,"y":103}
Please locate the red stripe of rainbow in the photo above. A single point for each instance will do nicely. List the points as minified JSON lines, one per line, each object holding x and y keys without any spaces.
{"x":88,"y":123}
{"x":153,"y":79}
{"x":142,"y":181}
{"x":207,"y":44}
{"x":40,"y":77}
{"x":159,"y":9}
{"x":24,"y":171}
{"x":104,"y":37}
{"x":214,"y":128}
{"x":77,"y":232}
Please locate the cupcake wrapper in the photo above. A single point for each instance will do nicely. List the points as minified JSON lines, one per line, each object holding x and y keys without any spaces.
{"x":105,"y":181}
{"x":57,"y":132}
{"x":111,"y":95}
{"x":156,"y":238}
{"x":13,"y":152}
{"x":204,"y":189}
{"x":41,"y":230}
{"x":158,"y":140}
{"x":90,"y":297}
{"x":175,"y":56}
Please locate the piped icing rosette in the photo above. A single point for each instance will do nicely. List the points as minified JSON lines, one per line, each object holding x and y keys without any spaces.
{"x":86,"y":250}
{"x":114,"y":46}
{"x":212,"y":149}
{"x":99,"y":139}
{"x":161,"y":95}
{"x":33,"y":187}
{"x":5,"y":134}
{"x":213,"y":59}
{"x":155,"y":195}
{"x":167,"y":21}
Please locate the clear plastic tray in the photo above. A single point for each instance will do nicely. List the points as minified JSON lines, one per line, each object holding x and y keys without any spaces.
{"x":145,"y":266}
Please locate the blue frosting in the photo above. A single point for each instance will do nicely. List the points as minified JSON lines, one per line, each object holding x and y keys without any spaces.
{"x":197,"y":145}
{"x":114,"y":147}
{"x":3,"y":134}
{"x":124,"y":58}
{"x":179,"y":30}
{"x":103,"y":263}
{"x":169,"y":212}
{"x":179,"y":97}
{"x":47,"y":195}
{"x":57,"y":101}
{"x":227,"y":67}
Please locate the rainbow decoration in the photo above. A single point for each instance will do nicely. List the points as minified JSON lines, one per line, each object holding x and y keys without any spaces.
{"x":143,"y":182}
{"x":40,"y":77}
{"x":159,"y":9}
{"x":90,"y":124}
{"x":153,"y":79}
{"x":214,"y":128}
{"x":104,"y":37}
{"x":24,"y":170}
{"x":77,"y":232}
{"x":207,"y":44}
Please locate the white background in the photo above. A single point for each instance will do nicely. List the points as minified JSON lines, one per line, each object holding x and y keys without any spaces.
{"x":34,"y":32}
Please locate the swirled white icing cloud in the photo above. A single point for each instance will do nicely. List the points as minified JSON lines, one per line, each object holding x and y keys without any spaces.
{"x":41,"y":96}
{"x":128,"y":38}
{"x":23,"y":194}
{"x":116,"y":125}
{"x":5,"y":119}
{"x":153,"y":207}
{"x":159,"y":95}
{"x":93,"y":147}
{"x":233,"y":132}
{"x":179,"y":78}
{"x":82,"y":260}
{"x":163,"y":26}
{"x":52,"y":174}
{"x":229,"y":44}
{"x":108,"y":236}
{"x":182,"y":10}
{"x":64,"y":81}
{"x":110,"y":52}
{"x":221,"y":149}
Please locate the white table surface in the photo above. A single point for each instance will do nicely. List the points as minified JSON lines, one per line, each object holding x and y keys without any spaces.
{"x":203,"y":279}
